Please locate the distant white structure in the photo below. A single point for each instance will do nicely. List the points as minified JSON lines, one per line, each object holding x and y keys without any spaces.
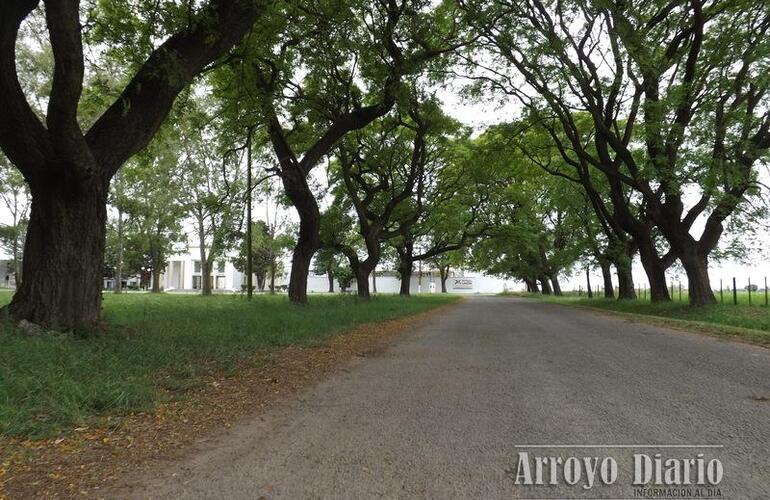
{"x":7,"y":274}
{"x":183,"y":274}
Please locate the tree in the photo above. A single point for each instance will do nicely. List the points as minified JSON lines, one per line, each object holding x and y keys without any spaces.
{"x":68,"y":170}
{"x":211,"y":184}
{"x":345,"y":277}
{"x":153,"y":208}
{"x":379,"y":169}
{"x":693,"y":93}
{"x":268,"y":246}
{"x":351,"y":59}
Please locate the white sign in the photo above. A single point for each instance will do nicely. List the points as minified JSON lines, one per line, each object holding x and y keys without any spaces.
{"x":462,"y":283}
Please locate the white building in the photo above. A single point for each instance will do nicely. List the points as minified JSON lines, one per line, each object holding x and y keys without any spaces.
{"x":183,"y":274}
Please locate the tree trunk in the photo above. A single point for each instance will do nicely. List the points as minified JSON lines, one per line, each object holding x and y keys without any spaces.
{"x":205,"y":265}
{"x":545,"y":286}
{"x":119,"y":264}
{"x":260,"y":281}
{"x":609,"y":289}
{"x":556,"y":285}
{"x":63,"y":256}
{"x":444,"y":275}
{"x":588,"y":283}
{"x":626,"y":289}
{"x":698,"y":283}
{"x":405,"y":272}
{"x":374,"y":280}
{"x":532,"y":285}
{"x":362,"y":281}
{"x":272,"y":276}
{"x":656,"y":273}
{"x":156,"y":279}
{"x":304,"y":202}
{"x":330,"y":276}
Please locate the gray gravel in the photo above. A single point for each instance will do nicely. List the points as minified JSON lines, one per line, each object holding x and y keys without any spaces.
{"x":444,"y":412}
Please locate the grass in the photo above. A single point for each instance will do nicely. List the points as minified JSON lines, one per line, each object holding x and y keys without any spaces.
{"x":159,"y":345}
{"x":748,"y":322}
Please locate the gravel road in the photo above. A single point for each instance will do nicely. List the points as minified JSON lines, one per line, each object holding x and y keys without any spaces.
{"x":447,"y":411}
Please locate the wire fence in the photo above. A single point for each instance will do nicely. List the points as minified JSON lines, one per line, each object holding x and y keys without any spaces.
{"x":730,"y":291}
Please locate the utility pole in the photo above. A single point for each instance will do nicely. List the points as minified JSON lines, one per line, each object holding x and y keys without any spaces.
{"x":249,"y":260}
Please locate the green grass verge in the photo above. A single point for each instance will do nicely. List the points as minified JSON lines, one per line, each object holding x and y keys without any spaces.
{"x":161,"y":343}
{"x":750,"y":323}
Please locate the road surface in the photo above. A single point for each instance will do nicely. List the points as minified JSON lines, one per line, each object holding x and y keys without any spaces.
{"x":448,"y":410}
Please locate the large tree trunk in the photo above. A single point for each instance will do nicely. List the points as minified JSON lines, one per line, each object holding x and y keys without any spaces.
{"x":609,"y":289}
{"x":304,"y":202}
{"x":698,"y":282}
{"x":656,"y":273}
{"x":362,"y":270}
{"x":63,"y":256}
{"x":156,"y":279}
{"x":330,"y":276}
{"x":362,"y":281}
{"x":555,"y":284}
{"x":626,"y":289}
{"x":545,"y":286}
{"x":405,"y":272}
{"x":532,"y":285}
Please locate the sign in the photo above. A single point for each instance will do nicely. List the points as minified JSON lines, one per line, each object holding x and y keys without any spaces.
{"x":462,"y":283}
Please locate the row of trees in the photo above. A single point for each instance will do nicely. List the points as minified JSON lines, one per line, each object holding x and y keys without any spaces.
{"x":648,"y":119}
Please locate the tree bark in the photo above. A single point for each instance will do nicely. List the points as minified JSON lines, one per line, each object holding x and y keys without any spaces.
{"x":609,"y":289}
{"x":330,"y":276}
{"x":555,"y":284}
{"x":63,"y":255}
{"x":362,"y":281}
{"x":532,"y":285}
{"x":405,"y":272}
{"x":205,"y":264}
{"x":444,"y":275}
{"x":374,"y":280}
{"x":545,"y":286}
{"x":698,"y":282}
{"x":156,"y":279}
{"x":272,"y":275}
{"x":626,"y":288}
{"x":308,"y":242}
{"x":656,"y":272}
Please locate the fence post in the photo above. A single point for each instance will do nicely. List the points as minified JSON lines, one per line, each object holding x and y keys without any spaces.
{"x":735,"y":293}
{"x":749,"y":287}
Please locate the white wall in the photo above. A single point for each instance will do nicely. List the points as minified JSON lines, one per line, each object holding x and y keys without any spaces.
{"x":468,"y":284}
